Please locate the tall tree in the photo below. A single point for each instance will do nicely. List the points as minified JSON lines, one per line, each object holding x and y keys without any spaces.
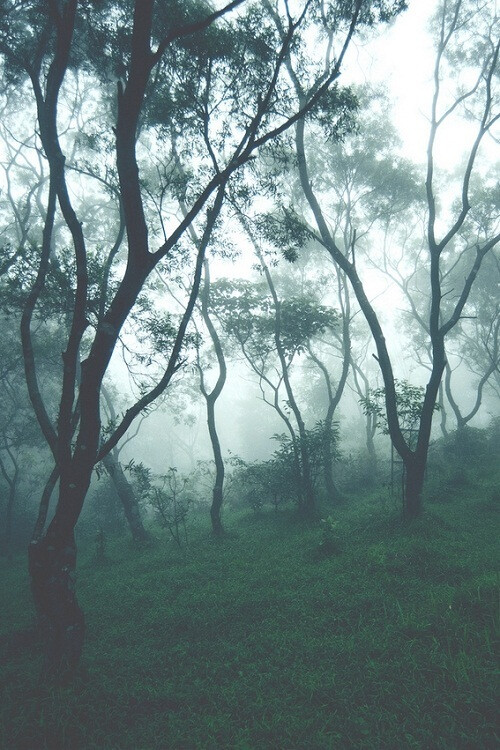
{"x":473,"y":30}
{"x":211,"y":395}
{"x":223,"y":89}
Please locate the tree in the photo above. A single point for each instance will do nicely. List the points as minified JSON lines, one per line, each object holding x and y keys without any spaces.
{"x":223,"y":91}
{"x":365,"y":184}
{"x":211,"y":396}
{"x":474,"y":340}
{"x":473,"y":31}
{"x":272,"y":332}
{"x":20,"y":437}
{"x":477,"y":343}
{"x":304,"y":320}
{"x":363,"y":389}
{"x":123,"y":487}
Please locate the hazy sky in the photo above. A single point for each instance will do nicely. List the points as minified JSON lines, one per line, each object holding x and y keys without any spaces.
{"x":402,"y":57}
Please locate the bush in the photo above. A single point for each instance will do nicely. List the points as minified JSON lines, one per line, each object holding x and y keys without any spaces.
{"x":171,"y":502}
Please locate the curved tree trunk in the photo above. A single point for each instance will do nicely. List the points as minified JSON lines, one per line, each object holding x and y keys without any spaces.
{"x":127,"y":497}
{"x":218,"y":489}
{"x":464,"y":419}
{"x":211,"y":398}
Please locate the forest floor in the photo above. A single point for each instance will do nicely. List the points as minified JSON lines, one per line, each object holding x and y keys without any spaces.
{"x":366,"y":633}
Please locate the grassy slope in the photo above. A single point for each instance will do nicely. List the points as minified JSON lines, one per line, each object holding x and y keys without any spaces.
{"x":262,"y":642}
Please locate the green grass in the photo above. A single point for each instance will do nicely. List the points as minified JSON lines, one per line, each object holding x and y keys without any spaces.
{"x":264,"y":641}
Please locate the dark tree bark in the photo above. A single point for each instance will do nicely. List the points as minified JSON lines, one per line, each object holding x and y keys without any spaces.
{"x":52,"y":557}
{"x":52,"y":562}
{"x":75,"y":438}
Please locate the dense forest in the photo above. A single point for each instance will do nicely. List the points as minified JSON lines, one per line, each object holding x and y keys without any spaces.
{"x":250,"y":373}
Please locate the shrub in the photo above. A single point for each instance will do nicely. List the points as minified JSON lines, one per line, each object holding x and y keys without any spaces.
{"x":171,"y":503}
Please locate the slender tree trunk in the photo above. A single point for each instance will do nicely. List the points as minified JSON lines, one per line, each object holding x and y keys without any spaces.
{"x":370,"y":447}
{"x":211,"y":399}
{"x":217,"y":493}
{"x":127,"y":497}
{"x":442,"y":409}
{"x":332,"y":491}
{"x":363,"y":390}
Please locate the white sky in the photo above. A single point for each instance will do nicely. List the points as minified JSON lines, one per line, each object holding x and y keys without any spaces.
{"x":402,"y":57}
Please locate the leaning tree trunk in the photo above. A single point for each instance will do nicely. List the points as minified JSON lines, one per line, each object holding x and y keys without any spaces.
{"x":127,"y":497}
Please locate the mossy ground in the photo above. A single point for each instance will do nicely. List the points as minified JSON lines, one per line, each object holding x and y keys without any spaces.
{"x":268,"y":640}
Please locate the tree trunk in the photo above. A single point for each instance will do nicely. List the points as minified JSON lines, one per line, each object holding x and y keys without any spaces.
{"x":307,"y":505}
{"x":372,"y":453}
{"x":211,"y":399}
{"x":127,"y":497}
{"x":332,"y":491}
{"x":413,"y":486}
{"x":442,"y":409}
{"x":52,"y":562}
{"x":217,"y":494}
{"x":215,"y":510}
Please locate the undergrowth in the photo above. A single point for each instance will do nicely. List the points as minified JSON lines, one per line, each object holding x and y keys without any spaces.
{"x":381,"y":638}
